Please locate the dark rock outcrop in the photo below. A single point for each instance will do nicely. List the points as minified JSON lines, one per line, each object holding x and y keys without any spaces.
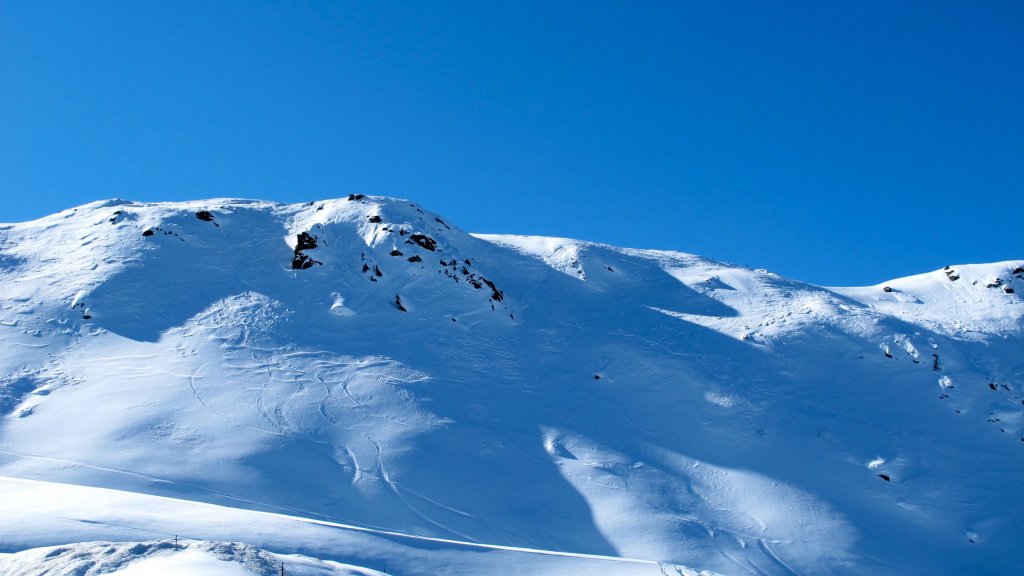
{"x":424,"y":241}
{"x":304,"y":241}
{"x":303,"y":262}
{"x":496,"y":295}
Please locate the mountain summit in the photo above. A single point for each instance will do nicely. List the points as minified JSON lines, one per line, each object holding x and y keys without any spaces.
{"x":362,"y":381}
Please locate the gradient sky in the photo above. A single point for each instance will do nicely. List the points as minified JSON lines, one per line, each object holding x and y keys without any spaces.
{"x":836,"y":142}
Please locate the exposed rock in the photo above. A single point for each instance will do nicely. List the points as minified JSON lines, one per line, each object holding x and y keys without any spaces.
{"x":995,"y":283}
{"x":204,"y":215}
{"x":415,"y":258}
{"x":352,"y":197}
{"x":1007,"y":289}
{"x":884,"y":477}
{"x":305,"y":242}
{"x":398,"y":303}
{"x":396,"y":253}
{"x":300,"y":261}
{"x":375,"y":219}
{"x":424,"y":241}
{"x":147,"y":233}
{"x":886,"y":289}
{"x":442,"y":223}
{"x":376,"y":270}
{"x":496,"y":294}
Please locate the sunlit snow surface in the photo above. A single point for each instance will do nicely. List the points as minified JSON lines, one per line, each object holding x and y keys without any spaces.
{"x":541,"y":405}
{"x":169,"y":558}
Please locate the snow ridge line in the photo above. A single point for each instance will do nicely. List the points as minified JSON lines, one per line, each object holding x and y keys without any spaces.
{"x":351,"y":527}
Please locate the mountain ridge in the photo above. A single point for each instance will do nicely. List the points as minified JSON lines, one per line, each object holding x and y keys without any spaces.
{"x":365,"y":360}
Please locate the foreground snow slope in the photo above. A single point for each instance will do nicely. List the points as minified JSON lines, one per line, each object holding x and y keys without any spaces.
{"x":366,"y":362}
{"x":168,"y":558}
{"x":71,"y":513}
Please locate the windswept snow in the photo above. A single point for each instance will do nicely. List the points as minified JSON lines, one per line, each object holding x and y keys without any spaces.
{"x":979,"y":302}
{"x":403,"y":396}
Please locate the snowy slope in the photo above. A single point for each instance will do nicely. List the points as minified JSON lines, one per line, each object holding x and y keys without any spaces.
{"x":169,"y":558}
{"x":364,"y":362}
{"x":60,"y":511}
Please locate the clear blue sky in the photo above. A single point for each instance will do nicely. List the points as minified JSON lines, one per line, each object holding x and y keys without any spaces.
{"x":835,"y":142}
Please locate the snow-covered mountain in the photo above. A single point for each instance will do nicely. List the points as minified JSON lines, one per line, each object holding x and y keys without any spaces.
{"x":361,"y":382}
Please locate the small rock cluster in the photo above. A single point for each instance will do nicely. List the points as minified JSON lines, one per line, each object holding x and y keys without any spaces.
{"x":300,"y":260}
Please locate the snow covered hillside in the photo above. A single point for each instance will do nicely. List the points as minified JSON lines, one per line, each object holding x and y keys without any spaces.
{"x":360,"y":382}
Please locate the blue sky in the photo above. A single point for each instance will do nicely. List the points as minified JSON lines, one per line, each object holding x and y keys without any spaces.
{"x":835,"y":142}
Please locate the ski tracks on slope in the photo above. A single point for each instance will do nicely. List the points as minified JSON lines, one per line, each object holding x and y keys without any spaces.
{"x":385,"y":475}
{"x":662,"y":566}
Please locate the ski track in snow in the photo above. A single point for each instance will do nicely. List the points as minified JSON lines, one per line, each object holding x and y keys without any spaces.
{"x":155,"y":479}
{"x":354,"y":528}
